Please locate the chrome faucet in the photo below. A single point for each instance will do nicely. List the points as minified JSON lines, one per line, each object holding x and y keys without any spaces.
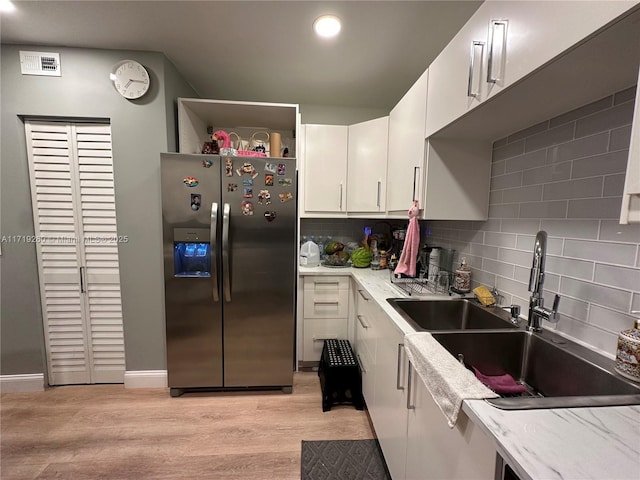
{"x":537,"y":311}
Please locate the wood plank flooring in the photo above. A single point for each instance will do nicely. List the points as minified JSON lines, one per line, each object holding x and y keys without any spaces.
{"x":107,"y":432}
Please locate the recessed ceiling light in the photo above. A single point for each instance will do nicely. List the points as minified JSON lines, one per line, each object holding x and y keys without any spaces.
{"x":6,"y":6}
{"x":327,"y":26}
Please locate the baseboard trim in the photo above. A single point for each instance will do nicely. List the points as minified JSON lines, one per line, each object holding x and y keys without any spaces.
{"x":145,"y":379}
{"x":32,"y":382}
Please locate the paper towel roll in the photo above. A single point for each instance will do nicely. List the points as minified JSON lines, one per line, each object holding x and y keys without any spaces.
{"x":274,"y":144}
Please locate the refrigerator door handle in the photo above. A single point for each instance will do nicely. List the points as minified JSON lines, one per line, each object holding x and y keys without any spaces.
{"x":225,"y":252}
{"x":213,"y":246}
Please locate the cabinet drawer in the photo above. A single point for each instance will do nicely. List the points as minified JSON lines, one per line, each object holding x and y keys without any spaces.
{"x":317,"y":330}
{"x":326,"y":297}
{"x":325,"y":283}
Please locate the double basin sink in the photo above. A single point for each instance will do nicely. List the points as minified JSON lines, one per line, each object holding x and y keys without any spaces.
{"x":556,"y":372}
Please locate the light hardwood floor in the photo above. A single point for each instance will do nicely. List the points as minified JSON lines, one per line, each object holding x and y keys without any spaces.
{"x":107,"y":432}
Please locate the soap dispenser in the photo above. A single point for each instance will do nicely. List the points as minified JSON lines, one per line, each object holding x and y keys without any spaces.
{"x":628,"y":352}
{"x":462,"y":282}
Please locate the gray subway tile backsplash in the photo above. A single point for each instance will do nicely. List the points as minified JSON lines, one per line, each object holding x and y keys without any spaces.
{"x":582,"y":188}
{"x":560,"y":134}
{"x":549,"y":173}
{"x":605,"y":120}
{"x":583,"y":111}
{"x":579,"y":162}
{"x":595,"y":208}
{"x":607,"y":163}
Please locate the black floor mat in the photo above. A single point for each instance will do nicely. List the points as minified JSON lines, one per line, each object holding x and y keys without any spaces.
{"x":343,"y":460}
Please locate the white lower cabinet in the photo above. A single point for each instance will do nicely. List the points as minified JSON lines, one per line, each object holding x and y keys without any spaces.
{"x":390,"y":420}
{"x":415,"y":438}
{"x":325,"y":313}
{"x":435,"y":451}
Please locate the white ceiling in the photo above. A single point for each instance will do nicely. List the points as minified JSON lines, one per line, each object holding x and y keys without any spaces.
{"x":260,"y":50}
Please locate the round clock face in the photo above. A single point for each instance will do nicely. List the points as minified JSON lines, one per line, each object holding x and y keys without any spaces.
{"x":130,"y":79}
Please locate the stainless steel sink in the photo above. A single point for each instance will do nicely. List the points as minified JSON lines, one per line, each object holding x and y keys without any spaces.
{"x":556,"y":372}
{"x":459,"y":314}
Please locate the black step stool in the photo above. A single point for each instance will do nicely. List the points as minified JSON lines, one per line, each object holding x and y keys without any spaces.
{"x":340,"y":376}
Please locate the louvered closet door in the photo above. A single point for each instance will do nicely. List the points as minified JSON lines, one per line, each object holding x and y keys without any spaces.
{"x":74,"y":216}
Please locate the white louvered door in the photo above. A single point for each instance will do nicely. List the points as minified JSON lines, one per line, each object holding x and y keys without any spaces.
{"x":72,"y":187}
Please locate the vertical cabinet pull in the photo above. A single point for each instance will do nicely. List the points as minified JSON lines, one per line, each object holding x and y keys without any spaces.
{"x":361,"y":364}
{"x":378,"y":201}
{"x":471,"y":92}
{"x":398,"y":381}
{"x":363,"y":295}
{"x":415,"y":178}
{"x":409,"y":405}
{"x":497,"y":50}
{"x":364,"y":325}
{"x":340,"y":196}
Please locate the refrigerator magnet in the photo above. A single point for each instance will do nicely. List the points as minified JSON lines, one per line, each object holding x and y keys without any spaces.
{"x":282,"y":169}
{"x":268,"y":179}
{"x":247,"y":182}
{"x":228,"y":167}
{"x":270,"y":167}
{"x":195,"y":201}
{"x":206,"y":163}
{"x":285,"y":196}
{"x":285,"y":182}
{"x":270,"y":216}
{"x":247,"y":168}
{"x":247,"y":207}
{"x":190,"y":181}
{"x":264,"y":197}
{"x":232,"y":187}
{"x":247,"y":192}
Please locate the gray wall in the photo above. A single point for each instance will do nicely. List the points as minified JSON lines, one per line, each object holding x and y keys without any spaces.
{"x":564,"y":176}
{"x":140,"y":131}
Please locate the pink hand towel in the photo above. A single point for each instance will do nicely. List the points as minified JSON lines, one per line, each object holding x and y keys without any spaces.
{"x":500,"y":383}
{"x":408,"y":258}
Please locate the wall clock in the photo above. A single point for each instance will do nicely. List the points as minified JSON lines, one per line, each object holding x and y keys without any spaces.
{"x":130,"y":79}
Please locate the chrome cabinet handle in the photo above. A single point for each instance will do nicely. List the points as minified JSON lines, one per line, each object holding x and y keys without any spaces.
{"x":326,"y":283}
{"x":378,"y":201}
{"x":364,"y":325}
{"x":409,"y":405}
{"x":340,"y":196}
{"x":325,"y":337}
{"x":499,"y":47}
{"x":214,"y":248}
{"x":398,"y":385}
{"x":325,"y":303}
{"x":474,"y":44}
{"x":415,"y":176}
{"x":225,"y":252}
{"x":363,"y":295}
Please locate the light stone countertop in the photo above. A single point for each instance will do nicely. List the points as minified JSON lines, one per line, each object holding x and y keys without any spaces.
{"x":600,"y":443}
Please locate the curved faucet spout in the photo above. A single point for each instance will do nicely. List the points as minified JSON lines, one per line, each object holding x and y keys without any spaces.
{"x":536,"y":284}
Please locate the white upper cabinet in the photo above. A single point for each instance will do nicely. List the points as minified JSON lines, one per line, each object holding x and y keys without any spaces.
{"x":630,"y":212}
{"x":503,"y":42}
{"x":367,"y":166}
{"x":406,"y":148}
{"x":325,"y":168}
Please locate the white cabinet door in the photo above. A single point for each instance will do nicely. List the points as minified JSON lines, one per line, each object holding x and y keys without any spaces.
{"x":437,"y":452}
{"x":630,"y":212}
{"x":325,"y":168}
{"x":406,"y":148}
{"x":534,"y":33}
{"x":390,"y":415}
{"x":366,"y":340}
{"x":367,"y":166}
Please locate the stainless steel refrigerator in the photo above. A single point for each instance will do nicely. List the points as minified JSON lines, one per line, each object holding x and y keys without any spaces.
{"x":229,"y":240}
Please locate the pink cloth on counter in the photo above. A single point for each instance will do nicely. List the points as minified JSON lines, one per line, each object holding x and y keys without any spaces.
{"x":409,"y":256}
{"x":500,"y":383}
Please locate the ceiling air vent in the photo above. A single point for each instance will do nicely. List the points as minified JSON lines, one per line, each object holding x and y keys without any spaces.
{"x":40,"y":63}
